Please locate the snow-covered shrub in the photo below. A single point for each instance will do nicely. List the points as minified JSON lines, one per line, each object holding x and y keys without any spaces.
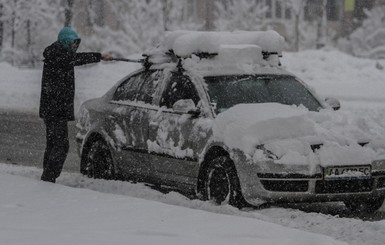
{"x":140,"y":25}
{"x":27,"y":28}
{"x":369,"y":40}
{"x":244,"y":15}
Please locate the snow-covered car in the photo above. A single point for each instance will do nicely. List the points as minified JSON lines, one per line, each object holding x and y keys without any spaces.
{"x":215,"y":114}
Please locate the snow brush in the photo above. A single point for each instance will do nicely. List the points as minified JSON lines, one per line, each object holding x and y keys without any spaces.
{"x":129,"y":60}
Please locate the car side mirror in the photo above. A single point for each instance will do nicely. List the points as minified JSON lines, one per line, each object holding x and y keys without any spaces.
{"x":186,"y":107}
{"x":333,"y":102}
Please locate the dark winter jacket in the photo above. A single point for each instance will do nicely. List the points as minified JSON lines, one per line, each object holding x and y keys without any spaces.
{"x":58,"y":81}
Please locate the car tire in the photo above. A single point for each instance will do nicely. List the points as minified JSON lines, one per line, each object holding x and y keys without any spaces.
{"x":221,"y":185}
{"x":365,"y":206}
{"x":98,"y":162}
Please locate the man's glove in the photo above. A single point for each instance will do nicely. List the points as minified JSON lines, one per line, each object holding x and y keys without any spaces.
{"x":107,"y":57}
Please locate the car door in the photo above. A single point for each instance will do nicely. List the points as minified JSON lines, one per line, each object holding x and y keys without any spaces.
{"x":176,"y":138}
{"x":130,"y":120}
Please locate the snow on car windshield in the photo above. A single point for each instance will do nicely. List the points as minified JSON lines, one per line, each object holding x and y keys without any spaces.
{"x":227,"y":91}
{"x":289,"y":132}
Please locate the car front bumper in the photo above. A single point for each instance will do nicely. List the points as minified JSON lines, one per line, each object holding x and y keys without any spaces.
{"x":271,"y":182}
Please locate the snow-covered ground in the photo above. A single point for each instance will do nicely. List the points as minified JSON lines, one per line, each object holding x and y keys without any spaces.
{"x":78,"y":210}
{"x":33,"y":212}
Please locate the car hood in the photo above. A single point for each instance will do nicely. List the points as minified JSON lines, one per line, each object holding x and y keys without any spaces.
{"x":294,"y":135}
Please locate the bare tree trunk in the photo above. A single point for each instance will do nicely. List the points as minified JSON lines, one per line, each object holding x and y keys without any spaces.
{"x":322,"y":27}
{"x":13,"y":31}
{"x":297,"y":8}
{"x":29,"y":42}
{"x":209,"y":15}
{"x":100,"y":12}
{"x":68,"y":12}
{"x":89,"y":23}
{"x":1,"y":27}
{"x":296,"y":26}
{"x":29,"y":39}
{"x":165,"y":14}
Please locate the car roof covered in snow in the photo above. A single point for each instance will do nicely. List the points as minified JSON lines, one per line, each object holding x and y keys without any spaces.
{"x":186,"y":43}
{"x":215,"y":53}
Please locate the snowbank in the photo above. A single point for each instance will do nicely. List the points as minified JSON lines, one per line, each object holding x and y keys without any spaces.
{"x":34,"y":212}
{"x":355,"y":81}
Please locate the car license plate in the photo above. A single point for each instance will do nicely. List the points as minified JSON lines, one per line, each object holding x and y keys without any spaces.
{"x":347,"y":172}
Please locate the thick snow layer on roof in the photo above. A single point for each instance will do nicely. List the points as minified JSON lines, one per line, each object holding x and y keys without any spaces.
{"x":186,"y":43}
{"x":289,"y":131}
{"x":235,"y":59}
{"x":239,"y":51}
{"x":206,"y":68}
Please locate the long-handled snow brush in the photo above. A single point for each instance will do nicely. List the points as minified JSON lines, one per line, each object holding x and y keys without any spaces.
{"x":129,"y":60}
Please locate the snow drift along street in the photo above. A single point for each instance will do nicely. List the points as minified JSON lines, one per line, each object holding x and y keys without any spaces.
{"x":34,"y":212}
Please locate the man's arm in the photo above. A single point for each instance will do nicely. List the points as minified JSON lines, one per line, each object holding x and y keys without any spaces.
{"x":86,"y":58}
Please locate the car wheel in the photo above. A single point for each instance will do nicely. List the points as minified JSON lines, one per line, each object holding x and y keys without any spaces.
{"x":221,"y":184}
{"x":367,"y":206}
{"x":98,"y":161}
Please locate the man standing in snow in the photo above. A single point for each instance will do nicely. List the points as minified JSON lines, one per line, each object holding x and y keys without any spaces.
{"x":57,"y":97}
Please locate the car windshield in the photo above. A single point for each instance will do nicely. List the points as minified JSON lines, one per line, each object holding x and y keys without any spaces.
{"x":227,"y":91}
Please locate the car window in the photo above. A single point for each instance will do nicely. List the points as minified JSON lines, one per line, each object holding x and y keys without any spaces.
{"x":227,"y":91}
{"x":180,"y":87}
{"x":127,"y":91}
{"x":147,"y":89}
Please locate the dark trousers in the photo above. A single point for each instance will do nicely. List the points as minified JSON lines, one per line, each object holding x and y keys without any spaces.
{"x":56,"y":150}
